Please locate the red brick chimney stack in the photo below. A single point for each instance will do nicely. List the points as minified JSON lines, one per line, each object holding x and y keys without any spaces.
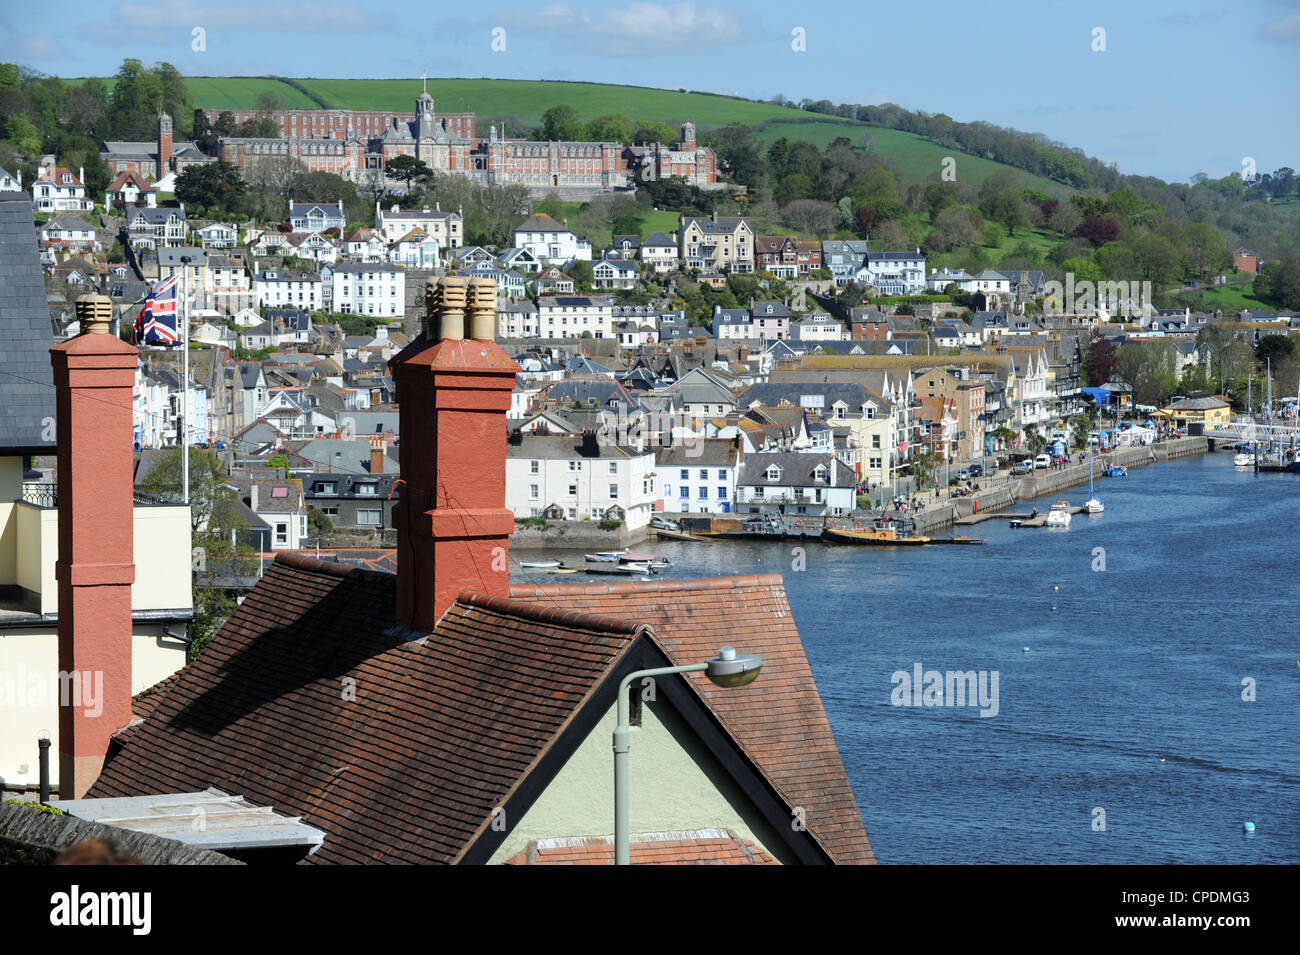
{"x":453,"y":393}
{"x":93,"y":377}
{"x":377,"y":444}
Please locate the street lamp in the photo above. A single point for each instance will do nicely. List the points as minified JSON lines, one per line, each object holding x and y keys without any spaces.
{"x":728,"y":669}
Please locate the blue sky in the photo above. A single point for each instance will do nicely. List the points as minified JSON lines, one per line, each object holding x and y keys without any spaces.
{"x":1179,"y":88}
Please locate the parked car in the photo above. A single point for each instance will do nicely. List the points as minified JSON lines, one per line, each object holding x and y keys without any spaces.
{"x":964,"y":474}
{"x":663,"y":524}
{"x":976,"y":470}
{"x":1043,"y":461}
{"x":1022,"y":467}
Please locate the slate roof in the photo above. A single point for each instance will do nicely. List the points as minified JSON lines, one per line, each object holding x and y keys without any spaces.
{"x":26,"y":378}
{"x":797,"y":469}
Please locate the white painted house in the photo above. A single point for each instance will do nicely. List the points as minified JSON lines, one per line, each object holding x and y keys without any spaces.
{"x":579,"y":478}
{"x":366,"y":288}
{"x":550,"y":241}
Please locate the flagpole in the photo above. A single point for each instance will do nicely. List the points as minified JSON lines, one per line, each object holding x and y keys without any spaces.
{"x":184,"y":316}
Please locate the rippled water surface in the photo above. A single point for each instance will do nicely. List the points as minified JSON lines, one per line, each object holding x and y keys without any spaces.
{"x":1142,"y":660}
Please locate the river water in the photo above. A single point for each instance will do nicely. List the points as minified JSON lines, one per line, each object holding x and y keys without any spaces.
{"x":1145,"y":627}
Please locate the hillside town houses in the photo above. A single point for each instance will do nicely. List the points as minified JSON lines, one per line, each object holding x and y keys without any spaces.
{"x":630,"y":401}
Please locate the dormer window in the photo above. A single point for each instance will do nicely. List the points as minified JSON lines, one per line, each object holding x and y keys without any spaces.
{"x":773,"y":473}
{"x":820,"y":473}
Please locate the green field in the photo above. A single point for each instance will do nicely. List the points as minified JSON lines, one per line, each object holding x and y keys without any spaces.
{"x":241,"y":92}
{"x":524,"y":99}
{"x":1230,"y":298}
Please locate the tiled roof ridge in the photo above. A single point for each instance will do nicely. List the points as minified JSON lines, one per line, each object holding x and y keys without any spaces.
{"x":631,"y":586}
{"x":532,"y":610}
{"x":325,"y":568}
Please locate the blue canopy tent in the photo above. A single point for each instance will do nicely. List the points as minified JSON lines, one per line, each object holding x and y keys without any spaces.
{"x":1100,"y":396}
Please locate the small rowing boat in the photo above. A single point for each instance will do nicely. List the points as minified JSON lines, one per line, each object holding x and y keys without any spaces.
{"x":538,"y":564}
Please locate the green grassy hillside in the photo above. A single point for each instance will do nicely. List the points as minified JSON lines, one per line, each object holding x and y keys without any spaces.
{"x":526,"y":100}
{"x":241,"y":92}
{"x":918,"y":158}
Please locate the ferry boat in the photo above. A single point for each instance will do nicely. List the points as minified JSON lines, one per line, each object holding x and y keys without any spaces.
{"x":1243,"y":460}
{"x":1116,"y":470}
{"x":882,"y":533}
{"x":1059,"y":514}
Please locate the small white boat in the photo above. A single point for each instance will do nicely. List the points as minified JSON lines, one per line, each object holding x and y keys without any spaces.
{"x":649,"y":560}
{"x":605,"y":557}
{"x":1059,"y":514}
{"x":538,"y":564}
{"x":1243,"y":460}
{"x":1092,"y":505}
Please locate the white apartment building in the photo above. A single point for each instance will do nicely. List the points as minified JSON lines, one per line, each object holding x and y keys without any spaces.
{"x":578,"y":478}
{"x":550,"y":242}
{"x":571,"y":316}
{"x":699,"y":477}
{"x":285,"y":288}
{"x":896,"y":273}
{"x":446,"y":228}
{"x":517,"y":320}
{"x":365,"y":288}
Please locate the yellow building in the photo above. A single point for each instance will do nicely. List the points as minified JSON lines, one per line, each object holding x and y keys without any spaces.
{"x":161,"y":605}
{"x":1208,"y":410}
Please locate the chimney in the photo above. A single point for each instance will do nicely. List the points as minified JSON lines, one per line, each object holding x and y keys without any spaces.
{"x":453,"y":393}
{"x":93,"y":378}
{"x":377,"y":454}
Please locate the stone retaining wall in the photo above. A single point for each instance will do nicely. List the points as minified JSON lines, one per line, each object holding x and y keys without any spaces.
{"x":586,"y":535}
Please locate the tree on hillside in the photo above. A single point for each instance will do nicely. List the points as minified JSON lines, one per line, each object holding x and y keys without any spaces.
{"x":562,"y":123}
{"x":215,"y":187}
{"x":551,"y":205}
{"x":407,"y":169}
{"x":1279,"y":282}
{"x":1008,"y":208}
{"x":1097,"y":229}
{"x":1225,"y":350}
{"x":809,"y":216}
{"x":1098,"y":360}
{"x":583,"y":275}
{"x":269,"y":101}
{"x":1274,"y":348}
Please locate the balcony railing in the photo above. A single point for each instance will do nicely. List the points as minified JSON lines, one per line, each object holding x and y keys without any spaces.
{"x":42,"y":495}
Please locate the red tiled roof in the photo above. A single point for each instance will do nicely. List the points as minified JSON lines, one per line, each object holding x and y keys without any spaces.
{"x":440,"y":731}
{"x":778,"y":720}
{"x":707,"y":847}
{"x":313,"y":701}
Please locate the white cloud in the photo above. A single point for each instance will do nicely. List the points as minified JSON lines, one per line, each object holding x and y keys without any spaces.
{"x":639,"y":27}
{"x":1288,"y":28}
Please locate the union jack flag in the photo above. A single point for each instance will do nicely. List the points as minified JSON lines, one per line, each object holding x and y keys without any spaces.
{"x":158,"y":323}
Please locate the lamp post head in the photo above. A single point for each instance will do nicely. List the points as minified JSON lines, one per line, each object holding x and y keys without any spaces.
{"x":731,"y":669}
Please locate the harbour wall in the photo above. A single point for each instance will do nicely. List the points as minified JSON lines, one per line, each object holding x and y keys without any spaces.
{"x":941,"y":514}
{"x":584,"y":535}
